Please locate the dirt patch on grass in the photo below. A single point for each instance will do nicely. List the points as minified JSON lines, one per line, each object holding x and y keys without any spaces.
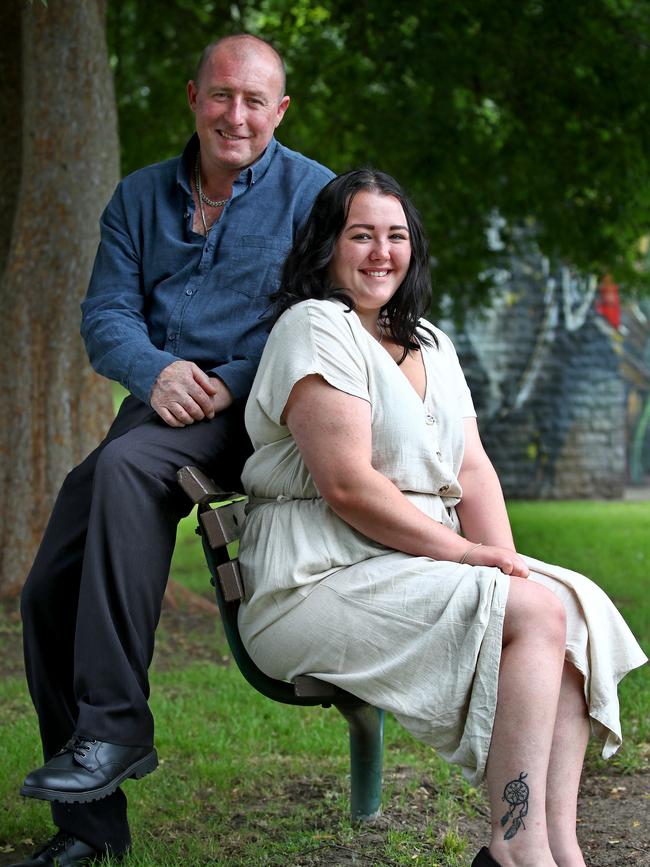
{"x":190,"y":630}
{"x":614,"y":826}
{"x":614,"y":830}
{"x":614,"y":823}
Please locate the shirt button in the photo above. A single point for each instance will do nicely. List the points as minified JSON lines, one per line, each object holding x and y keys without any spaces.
{"x":439,"y":454}
{"x":443,"y":489}
{"x":430,"y":419}
{"x":171,"y":336}
{"x":189,"y":292}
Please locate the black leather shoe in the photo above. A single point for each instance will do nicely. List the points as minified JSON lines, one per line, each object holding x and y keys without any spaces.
{"x":88,"y":770}
{"x":64,"y":850}
{"x":484,"y":859}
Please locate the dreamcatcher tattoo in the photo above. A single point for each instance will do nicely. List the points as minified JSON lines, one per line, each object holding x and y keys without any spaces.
{"x":516,"y":794}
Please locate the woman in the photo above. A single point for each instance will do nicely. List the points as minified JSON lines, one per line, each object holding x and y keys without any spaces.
{"x":377,"y":552}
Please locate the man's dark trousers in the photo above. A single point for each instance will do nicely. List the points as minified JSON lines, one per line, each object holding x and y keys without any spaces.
{"x":92,"y":600}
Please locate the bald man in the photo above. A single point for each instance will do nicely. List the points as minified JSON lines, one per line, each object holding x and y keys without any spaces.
{"x":190,"y":251}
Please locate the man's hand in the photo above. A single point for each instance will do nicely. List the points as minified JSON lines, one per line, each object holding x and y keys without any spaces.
{"x":183,"y":394}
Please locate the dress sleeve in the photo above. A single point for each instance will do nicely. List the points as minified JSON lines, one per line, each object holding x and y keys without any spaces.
{"x":313,"y":337}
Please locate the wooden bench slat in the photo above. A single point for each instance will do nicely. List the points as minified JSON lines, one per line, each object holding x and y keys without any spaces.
{"x":201,"y":489}
{"x":232,"y":586}
{"x":223,"y":525}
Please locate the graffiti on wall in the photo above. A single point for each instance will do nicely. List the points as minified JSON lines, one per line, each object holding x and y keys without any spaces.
{"x":560,"y":371}
{"x":635,"y":370}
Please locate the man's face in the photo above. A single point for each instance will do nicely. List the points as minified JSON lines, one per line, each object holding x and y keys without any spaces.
{"x":237,"y":102}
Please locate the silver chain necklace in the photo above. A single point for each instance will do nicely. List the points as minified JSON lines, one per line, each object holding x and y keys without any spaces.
{"x":213,"y":203}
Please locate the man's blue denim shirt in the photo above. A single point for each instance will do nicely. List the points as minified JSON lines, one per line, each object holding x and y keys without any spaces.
{"x":160,"y":292}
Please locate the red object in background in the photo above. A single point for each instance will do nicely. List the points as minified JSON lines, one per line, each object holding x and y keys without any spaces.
{"x":608,"y":303}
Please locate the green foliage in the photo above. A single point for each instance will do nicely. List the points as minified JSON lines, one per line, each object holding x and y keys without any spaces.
{"x":539,"y":110}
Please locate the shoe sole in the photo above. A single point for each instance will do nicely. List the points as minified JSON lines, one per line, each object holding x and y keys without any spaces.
{"x":137,"y":770}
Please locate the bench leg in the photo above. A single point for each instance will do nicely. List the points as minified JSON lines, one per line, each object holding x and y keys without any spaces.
{"x":366,"y":724}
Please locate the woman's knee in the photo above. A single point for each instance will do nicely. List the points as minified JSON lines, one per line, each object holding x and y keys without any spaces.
{"x":534,"y":612}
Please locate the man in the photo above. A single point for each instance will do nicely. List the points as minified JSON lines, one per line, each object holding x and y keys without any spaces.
{"x":190,"y":250}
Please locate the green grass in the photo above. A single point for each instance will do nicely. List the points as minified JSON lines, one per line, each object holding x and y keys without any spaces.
{"x":246,"y":781}
{"x":608,"y":541}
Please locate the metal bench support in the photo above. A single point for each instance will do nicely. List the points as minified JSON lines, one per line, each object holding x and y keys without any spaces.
{"x":218,"y":529}
{"x":366,"y":725}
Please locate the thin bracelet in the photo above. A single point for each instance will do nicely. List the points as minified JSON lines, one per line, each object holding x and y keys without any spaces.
{"x":469,"y":551}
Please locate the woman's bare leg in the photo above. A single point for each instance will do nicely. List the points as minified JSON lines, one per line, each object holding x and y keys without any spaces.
{"x":534,"y":639}
{"x":563,"y":779}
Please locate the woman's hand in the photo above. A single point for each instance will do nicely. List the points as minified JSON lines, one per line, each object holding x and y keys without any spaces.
{"x":508,"y":561}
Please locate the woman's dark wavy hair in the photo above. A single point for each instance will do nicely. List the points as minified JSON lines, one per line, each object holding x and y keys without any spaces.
{"x":306,"y":269}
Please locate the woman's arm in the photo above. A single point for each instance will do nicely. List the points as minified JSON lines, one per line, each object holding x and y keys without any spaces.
{"x":332,"y":430}
{"x":482,"y":509}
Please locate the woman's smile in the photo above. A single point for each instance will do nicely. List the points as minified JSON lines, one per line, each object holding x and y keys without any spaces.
{"x":372,"y":253}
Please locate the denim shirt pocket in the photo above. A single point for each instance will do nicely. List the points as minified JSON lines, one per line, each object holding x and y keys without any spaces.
{"x":256,"y":264}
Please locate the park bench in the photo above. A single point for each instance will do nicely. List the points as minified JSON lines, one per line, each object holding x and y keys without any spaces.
{"x":220,"y":516}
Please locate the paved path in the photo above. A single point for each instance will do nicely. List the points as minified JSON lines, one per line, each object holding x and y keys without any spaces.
{"x":637,"y":493}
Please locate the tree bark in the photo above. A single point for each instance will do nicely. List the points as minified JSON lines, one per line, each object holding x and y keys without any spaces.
{"x":10,"y":121}
{"x":55,"y":408}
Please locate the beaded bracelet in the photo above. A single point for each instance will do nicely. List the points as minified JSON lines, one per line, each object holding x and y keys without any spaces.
{"x":469,"y":551}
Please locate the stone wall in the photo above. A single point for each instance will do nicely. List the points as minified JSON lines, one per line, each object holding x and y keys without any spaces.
{"x":544,"y":365}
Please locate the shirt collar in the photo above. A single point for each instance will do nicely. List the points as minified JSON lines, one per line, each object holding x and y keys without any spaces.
{"x":185,"y":169}
{"x":249,"y":175}
{"x":253,"y":173}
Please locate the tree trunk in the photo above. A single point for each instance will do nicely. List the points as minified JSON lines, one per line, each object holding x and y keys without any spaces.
{"x":10,"y":121}
{"x":55,"y":408}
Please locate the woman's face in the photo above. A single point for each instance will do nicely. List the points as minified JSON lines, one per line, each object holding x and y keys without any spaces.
{"x":372,"y":254}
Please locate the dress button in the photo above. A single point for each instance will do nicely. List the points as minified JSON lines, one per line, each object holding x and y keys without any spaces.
{"x":430,"y":419}
{"x":443,"y":489}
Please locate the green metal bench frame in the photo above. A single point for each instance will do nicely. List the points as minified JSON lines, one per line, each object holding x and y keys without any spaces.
{"x":220,"y":516}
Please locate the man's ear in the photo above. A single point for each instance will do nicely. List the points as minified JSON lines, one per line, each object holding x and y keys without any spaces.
{"x":282,"y":107}
{"x":191,"y":94}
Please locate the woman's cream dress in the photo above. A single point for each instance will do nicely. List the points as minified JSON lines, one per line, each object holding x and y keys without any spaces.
{"x":418,"y":637}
